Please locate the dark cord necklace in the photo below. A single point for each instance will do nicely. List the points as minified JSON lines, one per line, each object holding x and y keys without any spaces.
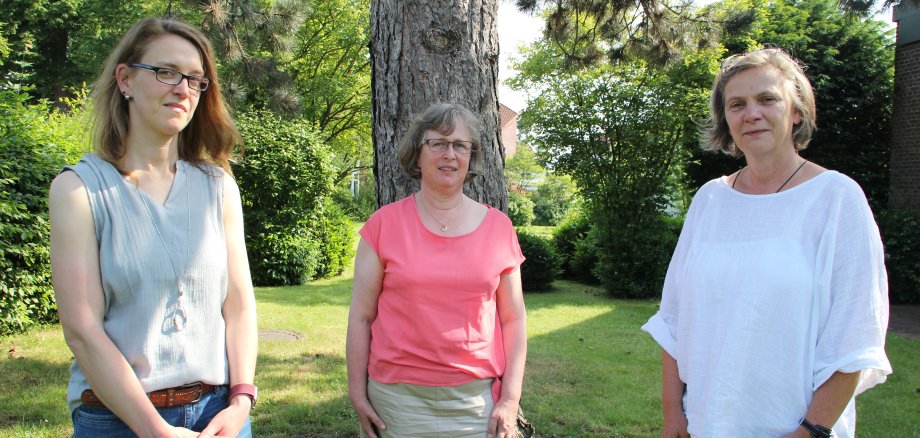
{"x":797,"y":169}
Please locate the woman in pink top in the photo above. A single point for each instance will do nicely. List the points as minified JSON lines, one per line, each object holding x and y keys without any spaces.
{"x":436,"y":332}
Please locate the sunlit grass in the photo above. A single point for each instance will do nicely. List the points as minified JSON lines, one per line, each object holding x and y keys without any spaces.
{"x":540,"y":230}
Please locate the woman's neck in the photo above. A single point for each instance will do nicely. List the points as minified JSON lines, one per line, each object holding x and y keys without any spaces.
{"x":765,"y":175}
{"x":440,"y":200}
{"x":152,"y":155}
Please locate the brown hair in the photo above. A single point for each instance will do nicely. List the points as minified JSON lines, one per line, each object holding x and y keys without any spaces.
{"x":440,"y":117}
{"x":715,"y":136}
{"x":209,"y":137}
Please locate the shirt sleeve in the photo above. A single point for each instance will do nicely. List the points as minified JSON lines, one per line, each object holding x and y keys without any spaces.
{"x":370,"y":232}
{"x":853,"y":294}
{"x":515,"y":256}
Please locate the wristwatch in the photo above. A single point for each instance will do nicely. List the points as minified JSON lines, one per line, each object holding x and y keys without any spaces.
{"x":244,"y":389}
{"x":816,"y":430}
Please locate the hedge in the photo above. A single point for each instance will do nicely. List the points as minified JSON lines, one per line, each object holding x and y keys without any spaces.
{"x":29,"y":160}
{"x":542,"y":266}
{"x":900,"y":231}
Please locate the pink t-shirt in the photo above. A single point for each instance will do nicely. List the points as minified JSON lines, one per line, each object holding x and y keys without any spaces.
{"x":437,"y":323}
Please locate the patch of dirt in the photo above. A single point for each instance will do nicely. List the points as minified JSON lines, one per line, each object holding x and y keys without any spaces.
{"x":904,"y":319}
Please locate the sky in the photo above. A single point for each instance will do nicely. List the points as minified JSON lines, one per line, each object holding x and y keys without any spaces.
{"x":516,"y":28}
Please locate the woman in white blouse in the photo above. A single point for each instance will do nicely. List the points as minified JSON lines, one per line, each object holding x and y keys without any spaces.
{"x":774,"y":309}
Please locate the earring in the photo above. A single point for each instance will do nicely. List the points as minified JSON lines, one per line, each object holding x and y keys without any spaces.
{"x":127,"y":97}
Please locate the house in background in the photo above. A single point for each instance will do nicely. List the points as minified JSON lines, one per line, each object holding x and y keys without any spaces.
{"x":905,"y":129}
{"x":508,"y":122}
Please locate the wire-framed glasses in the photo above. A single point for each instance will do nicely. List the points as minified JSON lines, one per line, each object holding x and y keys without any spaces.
{"x":441,"y":145}
{"x":171,"y":76}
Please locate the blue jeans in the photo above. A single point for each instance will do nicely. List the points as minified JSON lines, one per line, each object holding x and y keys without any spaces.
{"x":100,"y":422}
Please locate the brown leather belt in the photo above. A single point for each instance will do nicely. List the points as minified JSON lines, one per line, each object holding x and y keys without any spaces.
{"x":164,"y":398}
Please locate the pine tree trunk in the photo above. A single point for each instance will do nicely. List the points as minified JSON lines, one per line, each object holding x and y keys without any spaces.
{"x":429,"y":51}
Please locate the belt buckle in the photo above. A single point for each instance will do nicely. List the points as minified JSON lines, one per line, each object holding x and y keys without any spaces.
{"x":196,"y":386}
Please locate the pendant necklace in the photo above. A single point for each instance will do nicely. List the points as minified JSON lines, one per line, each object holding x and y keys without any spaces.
{"x":180,"y":315}
{"x":450,"y":218}
{"x":797,"y":169}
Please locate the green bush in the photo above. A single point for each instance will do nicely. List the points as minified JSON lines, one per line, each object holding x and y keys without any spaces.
{"x":520,"y":209}
{"x":333,"y":233}
{"x":282,"y":258}
{"x":542,"y":266}
{"x":284,"y":177}
{"x":585,"y":259}
{"x":900,"y":231}
{"x":634,"y":257}
{"x":357,"y":208}
{"x":575,"y":246}
{"x":29,"y":160}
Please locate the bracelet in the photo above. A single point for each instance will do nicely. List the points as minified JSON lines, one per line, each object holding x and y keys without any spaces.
{"x":816,"y":430}
{"x":244,"y":389}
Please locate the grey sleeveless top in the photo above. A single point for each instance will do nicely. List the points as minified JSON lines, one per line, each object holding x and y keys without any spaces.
{"x":143,"y":248}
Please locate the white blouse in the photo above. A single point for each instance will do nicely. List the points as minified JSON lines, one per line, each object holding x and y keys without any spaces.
{"x":766,"y":297}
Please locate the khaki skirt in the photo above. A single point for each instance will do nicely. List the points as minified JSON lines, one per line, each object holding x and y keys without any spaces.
{"x":432,"y":411}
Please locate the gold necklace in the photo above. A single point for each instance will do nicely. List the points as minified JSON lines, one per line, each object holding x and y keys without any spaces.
{"x":445,"y":223}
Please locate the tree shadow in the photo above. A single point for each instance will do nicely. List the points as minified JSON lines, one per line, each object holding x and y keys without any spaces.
{"x":572,"y":293}
{"x":304,"y":395}
{"x":599,"y":377}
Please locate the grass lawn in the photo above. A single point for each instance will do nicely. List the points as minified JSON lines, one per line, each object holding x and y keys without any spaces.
{"x":590,"y":371}
{"x":540,"y":230}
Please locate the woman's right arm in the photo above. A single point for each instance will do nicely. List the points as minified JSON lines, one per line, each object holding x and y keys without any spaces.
{"x":364,"y":293}
{"x":75,"y":275}
{"x":672,"y":393}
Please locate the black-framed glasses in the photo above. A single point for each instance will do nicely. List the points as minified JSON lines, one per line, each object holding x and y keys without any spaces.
{"x":170,"y":76}
{"x":441,"y":145}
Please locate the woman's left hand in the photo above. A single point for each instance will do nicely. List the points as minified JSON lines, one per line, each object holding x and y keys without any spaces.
{"x":503,"y":421}
{"x":230,"y":420}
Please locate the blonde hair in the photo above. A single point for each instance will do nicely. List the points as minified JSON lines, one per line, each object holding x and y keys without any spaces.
{"x":440,"y":117}
{"x":715,"y":136}
{"x":210,"y":136}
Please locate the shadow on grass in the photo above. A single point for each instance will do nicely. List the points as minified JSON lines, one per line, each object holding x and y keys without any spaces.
{"x":35,"y":395}
{"x":596,"y":378}
{"x":571,"y":293}
{"x":304,"y":396}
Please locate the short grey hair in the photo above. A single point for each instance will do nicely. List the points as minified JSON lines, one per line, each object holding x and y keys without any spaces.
{"x":715,"y":135}
{"x":440,"y":117}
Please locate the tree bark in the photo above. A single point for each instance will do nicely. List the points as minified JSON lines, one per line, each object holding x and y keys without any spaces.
{"x":430,"y":51}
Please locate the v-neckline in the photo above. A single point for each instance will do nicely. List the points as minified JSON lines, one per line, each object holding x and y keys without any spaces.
{"x":180,"y":170}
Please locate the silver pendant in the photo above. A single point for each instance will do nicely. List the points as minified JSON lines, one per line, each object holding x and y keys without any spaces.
{"x":180,"y":319}
{"x":443,"y":228}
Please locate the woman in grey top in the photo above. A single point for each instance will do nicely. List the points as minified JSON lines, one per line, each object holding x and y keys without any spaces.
{"x":148,"y":259}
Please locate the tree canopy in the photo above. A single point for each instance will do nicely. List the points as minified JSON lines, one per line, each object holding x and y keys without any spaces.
{"x":330,"y":70}
{"x":619,"y":131}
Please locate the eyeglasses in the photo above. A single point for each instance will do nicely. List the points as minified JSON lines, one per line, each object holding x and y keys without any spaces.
{"x":441,"y":145}
{"x":170,"y":76}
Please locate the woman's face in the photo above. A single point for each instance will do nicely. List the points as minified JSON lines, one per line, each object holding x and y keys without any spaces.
{"x":446,"y":169}
{"x":760,"y":112}
{"x":162,"y":108}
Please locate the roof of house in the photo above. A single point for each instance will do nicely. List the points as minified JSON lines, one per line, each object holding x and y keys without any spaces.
{"x":506,"y":115}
